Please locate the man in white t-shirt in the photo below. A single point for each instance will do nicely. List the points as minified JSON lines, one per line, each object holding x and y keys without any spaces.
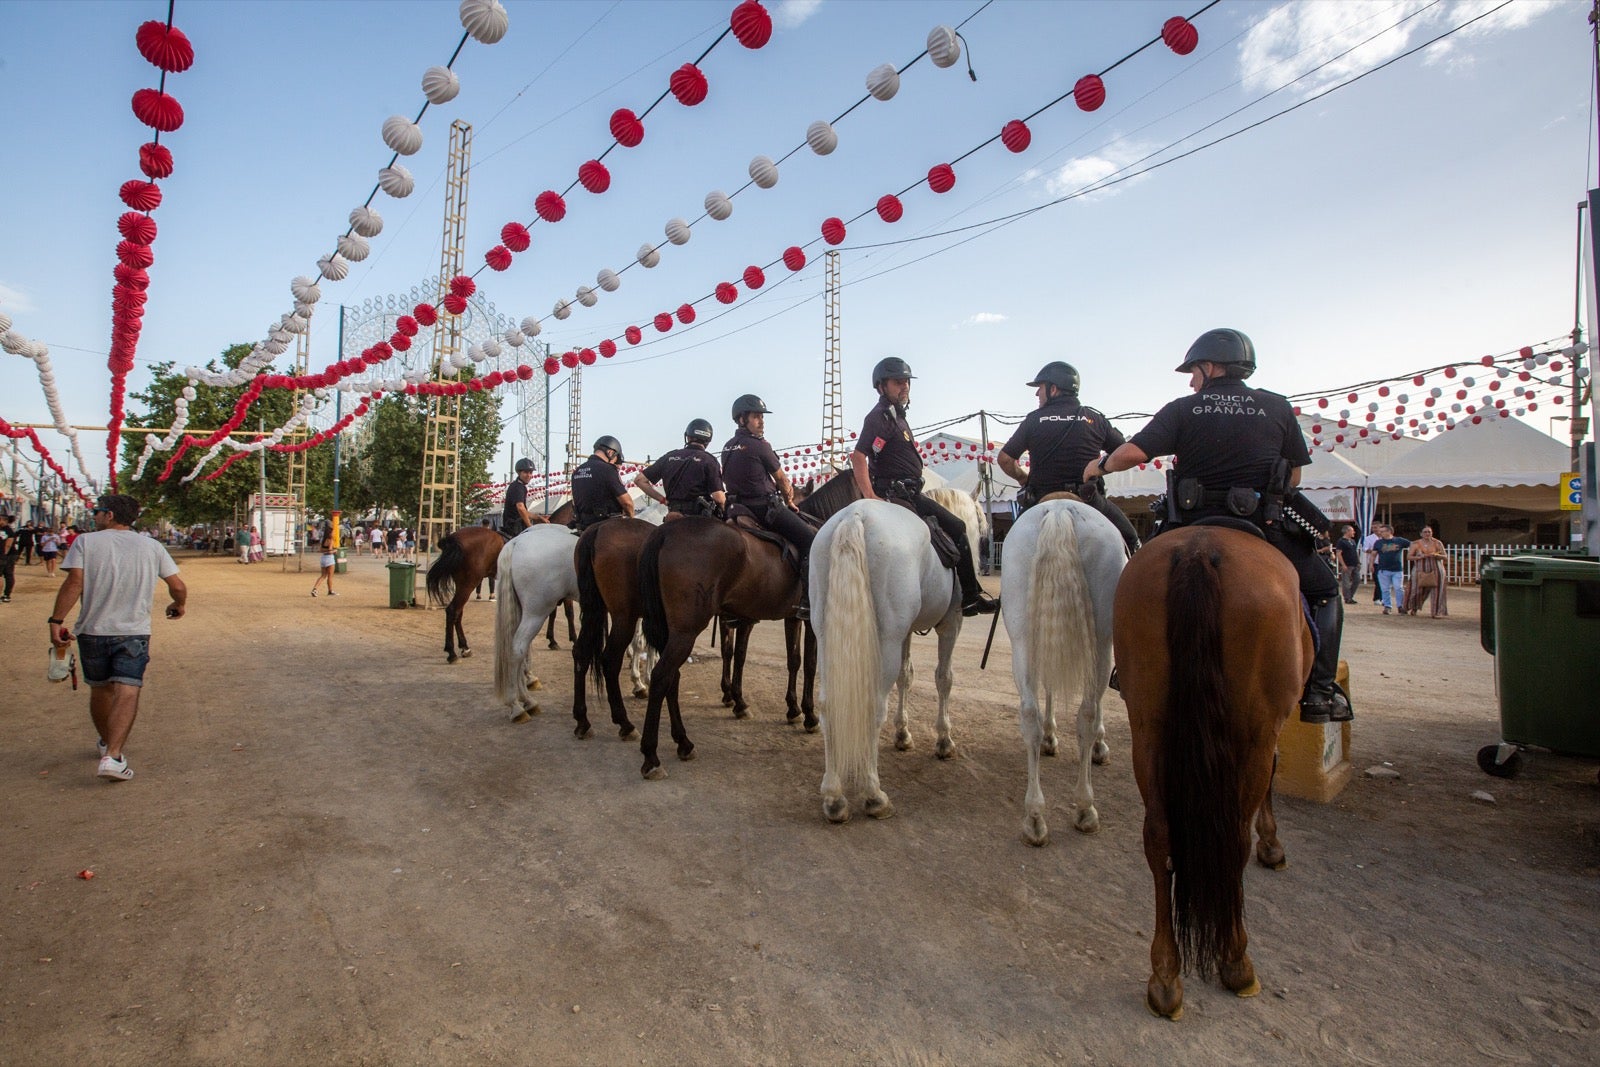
{"x":114,"y":571}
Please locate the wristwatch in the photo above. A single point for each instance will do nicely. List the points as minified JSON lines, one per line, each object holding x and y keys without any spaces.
{"x":56,"y":622}
{"x":1102,"y":463}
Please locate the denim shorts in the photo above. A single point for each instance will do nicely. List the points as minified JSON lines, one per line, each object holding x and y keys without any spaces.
{"x":113,"y":659}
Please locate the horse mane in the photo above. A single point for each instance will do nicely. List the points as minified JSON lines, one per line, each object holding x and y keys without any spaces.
{"x":822,"y":503}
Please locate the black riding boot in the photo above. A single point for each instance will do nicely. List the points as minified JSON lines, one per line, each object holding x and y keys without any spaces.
{"x":1323,"y":700}
{"x":803,"y":611}
{"x":974,"y":601}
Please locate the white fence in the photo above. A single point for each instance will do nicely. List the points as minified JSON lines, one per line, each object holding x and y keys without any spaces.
{"x":1465,"y":560}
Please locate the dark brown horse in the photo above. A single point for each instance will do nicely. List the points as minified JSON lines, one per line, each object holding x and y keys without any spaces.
{"x":467,"y":557}
{"x":1206,"y":699}
{"x":607,"y":561}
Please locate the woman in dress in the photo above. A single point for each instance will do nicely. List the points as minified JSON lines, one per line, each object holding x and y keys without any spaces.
{"x":325,"y":545}
{"x":49,"y":548}
{"x":1427,"y":558}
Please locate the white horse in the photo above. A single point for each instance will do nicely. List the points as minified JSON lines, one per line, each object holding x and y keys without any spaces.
{"x":1063,"y":559}
{"x":536,"y":574}
{"x":874,"y":580}
{"x":963,"y":506}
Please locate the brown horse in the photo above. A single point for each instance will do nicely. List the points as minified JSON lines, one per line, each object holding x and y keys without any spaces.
{"x":607,"y":561}
{"x":1206,"y":699}
{"x":467,"y":557}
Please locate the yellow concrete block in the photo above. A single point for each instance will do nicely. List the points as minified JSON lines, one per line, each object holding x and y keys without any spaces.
{"x":1314,"y":761}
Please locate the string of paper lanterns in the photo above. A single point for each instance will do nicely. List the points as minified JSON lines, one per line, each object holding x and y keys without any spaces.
{"x":14,"y":342}
{"x":32,"y":435}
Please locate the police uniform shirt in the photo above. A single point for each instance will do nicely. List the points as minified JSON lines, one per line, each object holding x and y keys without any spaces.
{"x":595,"y":488}
{"x":1228,"y":434}
{"x":890,"y":448}
{"x":748,"y":464}
{"x":1061,"y":439}
{"x":686,"y":473}
{"x":516,"y":493}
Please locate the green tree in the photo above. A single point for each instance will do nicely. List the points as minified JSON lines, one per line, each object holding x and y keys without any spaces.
{"x":388,"y":467}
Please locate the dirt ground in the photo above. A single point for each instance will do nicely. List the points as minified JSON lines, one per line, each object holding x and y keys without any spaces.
{"x":340,"y":850}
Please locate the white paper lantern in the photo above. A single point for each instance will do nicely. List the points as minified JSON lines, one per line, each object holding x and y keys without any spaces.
{"x":586,"y":296}
{"x":440,"y":85}
{"x":334,"y":268}
{"x":304,"y":309}
{"x":5,"y":322}
{"x":821,"y":138}
{"x":515,"y":337}
{"x":475,"y":352}
{"x":295,"y":324}
{"x":402,"y":135}
{"x":485,"y":20}
{"x":353,"y":247}
{"x":764,"y":172}
{"x":1469,"y":381}
{"x":718,"y":206}
{"x":491,"y":348}
{"x":305,"y":290}
{"x":944,"y":47}
{"x":188,"y":393}
{"x":14,"y":343}
{"x":562,"y":309}
{"x":647,"y":255}
{"x":396,"y":181}
{"x":883,"y":81}
{"x":276,"y":348}
{"x":677,"y":231}
{"x":531,"y":327}
{"x":366,"y":222}
{"x":607,"y":279}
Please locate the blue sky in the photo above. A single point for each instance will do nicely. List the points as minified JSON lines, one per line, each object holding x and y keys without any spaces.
{"x":1423,"y":215}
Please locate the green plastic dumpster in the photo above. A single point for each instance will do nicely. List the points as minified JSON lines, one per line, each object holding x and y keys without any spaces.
{"x":1541,"y":621}
{"x":339,"y":564}
{"x":402,"y":585}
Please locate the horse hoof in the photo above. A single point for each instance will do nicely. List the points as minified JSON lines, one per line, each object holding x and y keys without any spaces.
{"x":686,"y":753}
{"x":653,"y":774}
{"x":520,"y":715}
{"x":741,"y":711}
{"x":836,"y":809}
{"x":640,"y":691}
{"x":1101,"y":754}
{"x":1047,"y":747}
{"x":465,"y":652}
{"x":1164,"y":1001}
{"x":1175,"y":1014}
{"x":1035,"y":832}
{"x":583,"y":732}
{"x":627,"y":733}
{"x":878,"y":807}
{"x":812,"y":724}
{"x":553,"y":645}
{"x":1087,"y":822}
{"x":727,"y":701}
{"x":902,"y":740}
{"x":535,"y":685}
{"x":1240,"y":977}
{"x":945,"y":749}
{"x":451,"y":659}
{"x":1251,"y":990}
{"x":1272,"y":859}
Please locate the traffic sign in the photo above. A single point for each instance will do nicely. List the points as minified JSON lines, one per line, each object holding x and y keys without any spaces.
{"x":1572,"y":492}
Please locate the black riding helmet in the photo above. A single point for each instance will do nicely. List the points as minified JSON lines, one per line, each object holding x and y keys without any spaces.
{"x":1229,"y":348}
{"x":524,"y":465}
{"x":890,"y":369}
{"x":1064,"y":376}
{"x":697,"y":432}
{"x":609,"y":442}
{"x":746,"y":404}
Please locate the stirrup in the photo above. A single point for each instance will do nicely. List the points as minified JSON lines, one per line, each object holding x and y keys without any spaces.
{"x":981,"y":603}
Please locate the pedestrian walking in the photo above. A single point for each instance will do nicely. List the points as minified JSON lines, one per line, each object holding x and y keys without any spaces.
{"x":10,"y":549}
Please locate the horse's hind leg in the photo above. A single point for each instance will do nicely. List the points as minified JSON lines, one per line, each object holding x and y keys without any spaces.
{"x":724,"y":631}
{"x":1269,"y":850}
{"x":791,"y":650}
{"x":550,"y":631}
{"x":1049,"y":740}
{"x":664,"y":684}
{"x":1164,"y":991}
{"x":808,"y":706}
{"x":459,"y":611}
{"x":450,"y":633}
{"x":943,"y":676}
{"x":1034,"y":829}
{"x":580,"y":697}
{"x":741,"y":707}
{"x":617,"y":642}
{"x":1090,"y":730}
{"x":679,"y":734}
{"x":902,"y":728}
{"x":572,"y":630}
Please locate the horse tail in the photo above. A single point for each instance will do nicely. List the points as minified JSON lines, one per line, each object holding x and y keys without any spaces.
{"x":593,"y":619}
{"x":442,"y":575}
{"x":508,"y":658}
{"x":1061,"y":624}
{"x":1208,"y":840}
{"x":653,"y":609}
{"x":850,"y":655}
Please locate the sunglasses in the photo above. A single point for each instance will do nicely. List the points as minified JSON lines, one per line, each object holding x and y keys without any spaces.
{"x":99,"y":510}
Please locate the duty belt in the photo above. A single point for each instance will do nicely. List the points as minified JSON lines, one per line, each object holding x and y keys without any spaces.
{"x":906,"y":487}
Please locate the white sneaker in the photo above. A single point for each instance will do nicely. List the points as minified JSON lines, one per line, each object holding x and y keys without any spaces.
{"x":115,"y":768}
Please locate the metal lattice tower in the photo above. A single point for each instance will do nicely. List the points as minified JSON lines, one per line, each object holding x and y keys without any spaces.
{"x":297,"y":459}
{"x":439,"y":513}
{"x":576,"y":453}
{"x":832,"y":391}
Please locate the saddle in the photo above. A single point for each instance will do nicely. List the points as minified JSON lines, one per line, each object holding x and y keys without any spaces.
{"x":742,"y":518}
{"x":944,"y":546}
{"x":1229,"y":522}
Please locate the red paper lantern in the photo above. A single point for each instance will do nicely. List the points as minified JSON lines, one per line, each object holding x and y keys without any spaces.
{"x":889,"y":208}
{"x":688,"y":85}
{"x":426,"y":314}
{"x":663,"y":322}
{"x":514,"y":235}
{"x":135,"y":255}
{"x":476,"y":385}
{"x":550,"y":206}
{"x":751,"y":24}
{"x":552,"y":365}
{"x":794,"y":257}
{"x":686,"y":313}
{"x":524,"y":372}
{"x":1383,"y":390}
{"x":833,"y":230}
{"x":594,"y":176}
{"x":626,"y":128}
{"x":406,"y":325}
{"x":455,"y":304}
{"x":494,"y":378}
{"x":569,"y":359}
{"x":633,"y":335}
{"x":155,"y":160}
{"x":463,"y":286}
{"x":134,"y":278}
{"x":726,"y":293}
{"x":140,"y":229}
{"x":1526,"y":352}
{"x":1089,"y":92}
{"x":608,"y":348}
{"x":400,"y":343}
{"x":941,"y":178}
{"x":158,"y":110}
{"x":498,"y":257}
{"x":1017,"y":137}
{"x":1180,"y":35}
{"x":141,"y":196}
{"x":587,"y":357}
{"x":754,"y":277}
{"x":164,"y":46}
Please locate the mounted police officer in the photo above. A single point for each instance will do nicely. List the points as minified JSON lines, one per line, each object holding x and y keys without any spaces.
{"x":1239,"y":452}
{"x":886,"y":464}
{"x":1061,"y":437}
{"x":755,"y":479}
{"x":597,"y":489}
{"x":690,"y":476}
{"x":515,"y":517}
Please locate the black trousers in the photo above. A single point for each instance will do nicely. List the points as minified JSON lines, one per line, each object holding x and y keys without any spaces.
{"x":789,"y":526}
{"x":8,"y":565}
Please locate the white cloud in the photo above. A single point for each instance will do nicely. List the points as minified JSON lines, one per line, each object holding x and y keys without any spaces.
{"x":791,"y":13}
{"x":982,"y":318}
{"x":1083,"y":171}
{"x":15,"y":300}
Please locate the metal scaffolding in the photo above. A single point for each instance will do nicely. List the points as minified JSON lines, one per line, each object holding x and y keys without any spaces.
{"x":833,"y":441}
{"x":576,"y":453}
{"x":296,"y":489}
